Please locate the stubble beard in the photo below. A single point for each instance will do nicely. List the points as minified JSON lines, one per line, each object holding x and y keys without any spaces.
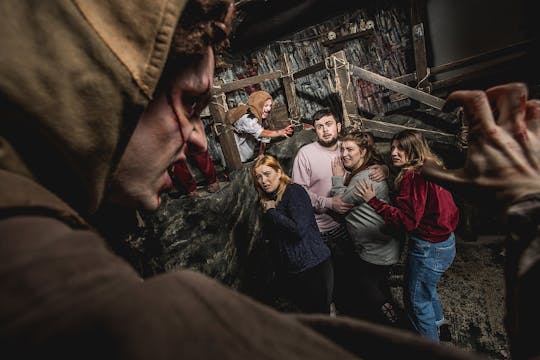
{"x":329,"y":143}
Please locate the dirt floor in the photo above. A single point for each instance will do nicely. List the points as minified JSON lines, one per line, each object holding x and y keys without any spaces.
{"x":472,"y":295}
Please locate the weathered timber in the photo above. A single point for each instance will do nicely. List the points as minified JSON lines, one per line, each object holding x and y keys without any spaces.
{"x":344,"y":85}
{"x":309,"y":70}
{"x":480,"y":70}
{"x":505,"y":54}
{"x":489,"y":55}
{"x":224,"y":131}
{"x":406,"y":78}
{"x":239,"y":84}
{"x":387,"y":130}
{"x":410,"y":92}
{"x":419,"y":42}
{"x":290,"y":87}
{"x":349,"y":37}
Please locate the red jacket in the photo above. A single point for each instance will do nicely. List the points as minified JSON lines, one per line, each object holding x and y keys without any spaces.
{"x":423,"y":208}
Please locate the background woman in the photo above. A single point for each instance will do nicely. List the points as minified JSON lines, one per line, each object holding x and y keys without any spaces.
{"x":289,"y":225}
{"x":374,"y":244}
{"x":428,"y":213}
{"x":249,"y":128}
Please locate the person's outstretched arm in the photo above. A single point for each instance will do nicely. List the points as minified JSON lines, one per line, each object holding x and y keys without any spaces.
{"x":286,"y":132}
{"x":503,"y":159}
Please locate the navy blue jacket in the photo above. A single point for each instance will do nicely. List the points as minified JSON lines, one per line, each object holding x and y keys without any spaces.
{"x":291,"y":228}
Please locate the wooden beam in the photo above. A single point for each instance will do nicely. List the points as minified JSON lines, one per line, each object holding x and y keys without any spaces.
{"x":419,"y":42}
{"x":344,"y":85}
{"x":224,"y":131}
{"x":405,"y":78}
{"x":472,"y":60}
{"x":410,"y":92}
{"x":387,"y":130}
{"x":309,"y":70}
{"x":479,"y":70}
{"x":489,"y":55}
{"x":239,"y":84}
{"x":290,"y":87}
{"x":349,"y":37}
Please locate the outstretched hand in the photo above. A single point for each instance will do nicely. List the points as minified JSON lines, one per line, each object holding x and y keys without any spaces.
{"x":504,"y":143}
{"x":287,"y":131}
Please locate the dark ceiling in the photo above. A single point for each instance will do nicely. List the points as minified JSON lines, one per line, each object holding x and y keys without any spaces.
{"x":259,"y":22}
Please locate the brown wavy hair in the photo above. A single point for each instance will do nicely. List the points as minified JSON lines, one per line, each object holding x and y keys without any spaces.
{"x":364,"y":140}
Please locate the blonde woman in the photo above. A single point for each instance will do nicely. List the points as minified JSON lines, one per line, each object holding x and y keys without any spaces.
{"x":290,"y":227}
{"x":429,"y":215}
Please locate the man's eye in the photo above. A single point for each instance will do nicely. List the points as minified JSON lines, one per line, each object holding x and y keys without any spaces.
{"x":190,"y":103}
{"x":195,"y":104}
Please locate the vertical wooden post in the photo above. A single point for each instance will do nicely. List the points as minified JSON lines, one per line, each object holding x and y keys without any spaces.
{"x":290,"y":88}
{"x":344,"y":86}
{"x":419,"y":43}
{"x":224,"y":131}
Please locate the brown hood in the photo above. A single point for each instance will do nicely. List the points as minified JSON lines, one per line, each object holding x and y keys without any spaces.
{"x":256,"y":103}
{"x":74,"y":78}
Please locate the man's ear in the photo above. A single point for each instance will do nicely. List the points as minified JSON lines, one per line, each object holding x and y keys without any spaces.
{"x":338,"y":127}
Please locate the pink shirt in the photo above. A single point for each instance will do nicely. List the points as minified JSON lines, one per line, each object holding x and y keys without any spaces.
{"x":312,"y":169}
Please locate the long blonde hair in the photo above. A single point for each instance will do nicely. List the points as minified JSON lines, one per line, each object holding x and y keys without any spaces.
{"x":417,"y":149}
{"x":284,"y":179}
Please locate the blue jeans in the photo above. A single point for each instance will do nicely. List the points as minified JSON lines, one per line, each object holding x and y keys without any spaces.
{"x":426,"y":264}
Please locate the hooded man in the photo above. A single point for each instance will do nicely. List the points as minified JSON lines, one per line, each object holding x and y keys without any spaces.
{"x":97,"y":102}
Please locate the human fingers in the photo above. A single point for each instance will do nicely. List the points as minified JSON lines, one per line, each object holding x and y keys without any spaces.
{"x":509,"y":102}
{"x":335,"y":166}
{"x":532,"y":144}
{"x":478,"y":112}
{"x":360,"y":188}
{"x":532,"y":116}
{"x":444,"y":177}
{"x":376,"y":173}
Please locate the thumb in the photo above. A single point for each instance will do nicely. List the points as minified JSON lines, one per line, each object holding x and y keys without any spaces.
{"x":453,"y":180}
{"x":450,"y":179}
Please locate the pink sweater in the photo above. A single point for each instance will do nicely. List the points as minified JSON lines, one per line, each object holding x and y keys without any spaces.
{"x":312,"y":169}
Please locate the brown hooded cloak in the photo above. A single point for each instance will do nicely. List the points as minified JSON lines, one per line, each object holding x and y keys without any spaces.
{"x":75,"y":76}
{"x":256,"y":103}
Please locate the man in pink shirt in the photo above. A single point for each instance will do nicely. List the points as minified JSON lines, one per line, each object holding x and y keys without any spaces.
{"x":312,"y":168}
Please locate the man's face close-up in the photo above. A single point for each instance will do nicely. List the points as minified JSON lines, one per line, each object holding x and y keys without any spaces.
{"x":170,"y":121}
{"x":327,"y":130}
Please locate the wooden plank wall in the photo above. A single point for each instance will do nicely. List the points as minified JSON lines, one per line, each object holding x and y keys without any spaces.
{"x":383,"y":51}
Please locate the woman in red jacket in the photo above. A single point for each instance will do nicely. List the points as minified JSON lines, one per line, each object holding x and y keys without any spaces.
{"x":429,"y":215}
